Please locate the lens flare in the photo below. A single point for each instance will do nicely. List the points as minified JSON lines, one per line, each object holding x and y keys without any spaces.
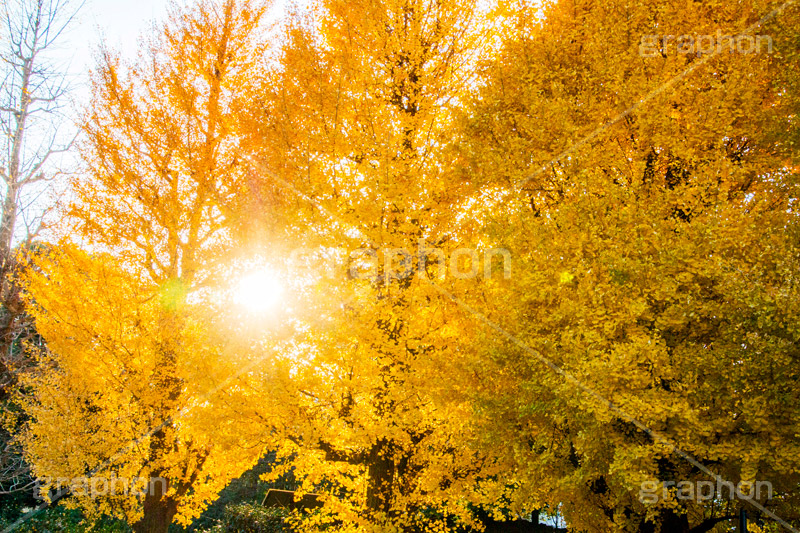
{"x":260,"y":291}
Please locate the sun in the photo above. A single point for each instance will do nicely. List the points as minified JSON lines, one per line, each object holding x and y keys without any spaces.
{"x":259,"y":291}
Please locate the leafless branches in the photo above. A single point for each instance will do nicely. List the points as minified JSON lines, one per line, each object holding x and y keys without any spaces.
{"x":32,"y":103}
{"x":33,"y":132}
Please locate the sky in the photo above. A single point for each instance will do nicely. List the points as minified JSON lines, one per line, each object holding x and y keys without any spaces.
{"x":119,"y":22}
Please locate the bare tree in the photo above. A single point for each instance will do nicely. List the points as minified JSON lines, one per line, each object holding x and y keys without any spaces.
{"x":32,"y":96}
{"x":33,"y":121}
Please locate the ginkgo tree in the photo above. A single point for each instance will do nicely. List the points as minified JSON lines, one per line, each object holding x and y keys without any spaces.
{"x":646,"y":196}
{"x":352,"y":124}
{"x":649,"y":200}
{"x":116,"y":301}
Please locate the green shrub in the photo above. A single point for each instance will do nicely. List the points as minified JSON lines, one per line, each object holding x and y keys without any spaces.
{"x":61,"y":520}
{"x":250,"y":518}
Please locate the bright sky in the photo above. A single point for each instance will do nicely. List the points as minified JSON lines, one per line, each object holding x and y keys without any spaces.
{"x":120,"y":20}
{"x":120,"y":23}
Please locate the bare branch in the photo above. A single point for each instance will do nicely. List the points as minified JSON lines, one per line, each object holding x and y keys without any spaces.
{"x":32,"y":122}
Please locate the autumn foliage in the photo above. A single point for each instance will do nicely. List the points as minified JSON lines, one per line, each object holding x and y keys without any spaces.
{"x":639,"y":326}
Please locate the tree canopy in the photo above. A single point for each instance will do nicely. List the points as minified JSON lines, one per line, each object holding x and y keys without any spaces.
{"x":447,"y":259}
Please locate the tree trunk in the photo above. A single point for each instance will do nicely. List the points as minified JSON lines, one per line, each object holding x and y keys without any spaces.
{"x":158,"y":511}
{"x":7,"y":224}
{"x":380,"y":479}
